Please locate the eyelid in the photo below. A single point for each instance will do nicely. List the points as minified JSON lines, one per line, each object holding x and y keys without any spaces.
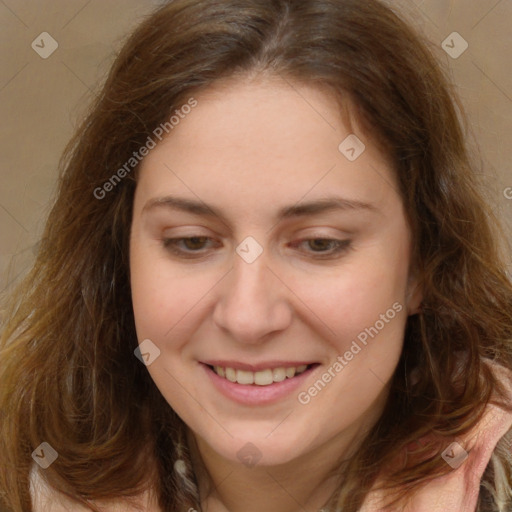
{"x":341,"y":246}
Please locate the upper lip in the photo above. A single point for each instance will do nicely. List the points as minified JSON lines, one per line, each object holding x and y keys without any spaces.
{"x":237,"y":365}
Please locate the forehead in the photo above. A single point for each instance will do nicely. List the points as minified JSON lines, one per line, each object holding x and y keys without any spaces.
{"x":266,"y":113}
{"x":261,"y":141}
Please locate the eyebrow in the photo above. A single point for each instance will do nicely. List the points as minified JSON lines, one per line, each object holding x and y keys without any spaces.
{"x":323,"y":205}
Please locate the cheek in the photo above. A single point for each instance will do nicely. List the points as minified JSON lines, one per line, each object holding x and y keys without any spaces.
{"x":352,"y":297}
{"x":364,"y":309}
{"x":155,"y":295}
{"x":163,"y":303}
{"x":168,"y":300}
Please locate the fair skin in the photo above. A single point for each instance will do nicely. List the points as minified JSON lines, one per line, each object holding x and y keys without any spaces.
{"x":248,"y":150}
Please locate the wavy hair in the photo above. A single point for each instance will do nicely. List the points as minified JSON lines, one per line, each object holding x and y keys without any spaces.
{"x":68,"y":374}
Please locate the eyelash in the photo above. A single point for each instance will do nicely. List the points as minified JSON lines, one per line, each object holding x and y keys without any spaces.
{"x":341,"y":246}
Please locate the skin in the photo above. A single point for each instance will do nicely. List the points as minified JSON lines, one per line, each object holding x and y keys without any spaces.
{"x":249,"y":148}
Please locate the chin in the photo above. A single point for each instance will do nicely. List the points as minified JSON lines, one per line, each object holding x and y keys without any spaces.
{"x":252,"y":452}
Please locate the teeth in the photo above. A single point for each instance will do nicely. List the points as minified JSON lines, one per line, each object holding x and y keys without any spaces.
{"x":231,"y":374}
{"x":290,"y":372}
{"x":261,"y":378}
{"x":243,"y":377}
{"x":279,"y":374}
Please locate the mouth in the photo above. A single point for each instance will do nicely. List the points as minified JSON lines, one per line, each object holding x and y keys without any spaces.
{"x":263,"y":385}
{"x":264,"y":377}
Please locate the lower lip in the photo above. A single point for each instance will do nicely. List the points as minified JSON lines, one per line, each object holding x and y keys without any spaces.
{"x":257,"y":395}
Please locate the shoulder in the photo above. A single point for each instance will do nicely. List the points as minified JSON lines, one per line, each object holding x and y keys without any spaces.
{"x":472,"y":454}
{"x":47,"y":499}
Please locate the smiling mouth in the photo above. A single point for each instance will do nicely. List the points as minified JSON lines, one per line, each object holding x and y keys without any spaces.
{"x":260,"y":378}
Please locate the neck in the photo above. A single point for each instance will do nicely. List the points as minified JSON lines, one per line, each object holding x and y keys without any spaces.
{"x":304,"y":483}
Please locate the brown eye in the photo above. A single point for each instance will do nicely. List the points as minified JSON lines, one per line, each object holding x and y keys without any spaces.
{"x":326,"y":247}
{"x":320,"y":244}
{"x":195,"y":242}
{"x":186,"y":246}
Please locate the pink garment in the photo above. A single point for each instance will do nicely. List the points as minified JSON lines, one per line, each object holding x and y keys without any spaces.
{"x":458,"y":491}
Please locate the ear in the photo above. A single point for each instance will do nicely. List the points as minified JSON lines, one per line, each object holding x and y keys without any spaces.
{"x":414,"y":294}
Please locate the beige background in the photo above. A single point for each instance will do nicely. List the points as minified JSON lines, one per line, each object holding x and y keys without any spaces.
{"x":42,"y":100}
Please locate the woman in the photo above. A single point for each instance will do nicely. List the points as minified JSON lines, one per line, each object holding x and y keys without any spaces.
{"x":268,"y":281}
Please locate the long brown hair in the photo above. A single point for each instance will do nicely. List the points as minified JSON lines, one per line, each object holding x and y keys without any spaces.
{"x":69,"y":376}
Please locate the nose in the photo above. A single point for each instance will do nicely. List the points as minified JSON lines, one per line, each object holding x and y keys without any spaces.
{"x":252,"y":302}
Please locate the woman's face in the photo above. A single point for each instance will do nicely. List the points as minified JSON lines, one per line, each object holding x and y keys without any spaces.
{"x":232,"y":267}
